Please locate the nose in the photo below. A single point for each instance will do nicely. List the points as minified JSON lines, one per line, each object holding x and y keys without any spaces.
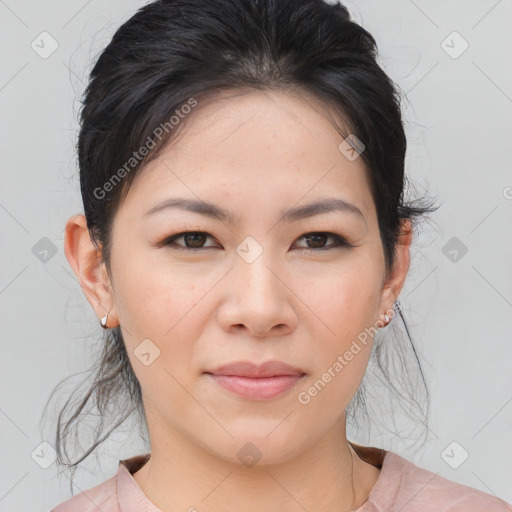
{"x":258,"y":299}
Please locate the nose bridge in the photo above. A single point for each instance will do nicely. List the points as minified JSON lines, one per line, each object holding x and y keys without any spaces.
{"x":254,"y":268}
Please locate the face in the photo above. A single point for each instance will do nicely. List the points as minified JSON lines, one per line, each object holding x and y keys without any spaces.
{"x":255,"y":285}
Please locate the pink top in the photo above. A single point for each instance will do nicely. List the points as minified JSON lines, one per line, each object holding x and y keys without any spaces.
{"x":401,"y":486}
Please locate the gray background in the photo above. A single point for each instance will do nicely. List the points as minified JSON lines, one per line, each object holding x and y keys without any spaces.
{"x":458,"y":122}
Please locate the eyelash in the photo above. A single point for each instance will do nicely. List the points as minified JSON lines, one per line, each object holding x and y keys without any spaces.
{"x":169,"y":241}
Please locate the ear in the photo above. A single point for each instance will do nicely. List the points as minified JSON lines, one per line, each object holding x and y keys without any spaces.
{"x":87,"y":263}
{"x":396,"y":278}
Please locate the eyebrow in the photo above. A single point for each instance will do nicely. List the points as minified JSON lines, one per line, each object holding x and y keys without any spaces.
{"x":292,"y":215}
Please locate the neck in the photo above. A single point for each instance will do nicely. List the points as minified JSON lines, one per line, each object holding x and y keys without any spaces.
{"x":329,"y":476}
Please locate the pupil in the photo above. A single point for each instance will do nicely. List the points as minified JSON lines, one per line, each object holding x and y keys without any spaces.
{"x":187,"y":237}
{"x":310,"y":237}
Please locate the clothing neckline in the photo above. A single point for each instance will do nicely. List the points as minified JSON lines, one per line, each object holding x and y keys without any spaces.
{"x":132,"y":498}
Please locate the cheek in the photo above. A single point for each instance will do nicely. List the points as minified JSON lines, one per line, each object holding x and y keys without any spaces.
{"x":340,"y":364}
{"x":162,"y":318}
{"x":153,"y":300}
{"x":342,"y":313}
{"x":342,"y":300}
{"x":167,"y":309}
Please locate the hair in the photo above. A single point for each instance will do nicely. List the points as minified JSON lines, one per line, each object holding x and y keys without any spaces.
{"x":173,"y":52}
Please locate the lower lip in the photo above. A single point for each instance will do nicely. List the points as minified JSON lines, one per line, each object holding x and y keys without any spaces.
{"x":257,"y":389}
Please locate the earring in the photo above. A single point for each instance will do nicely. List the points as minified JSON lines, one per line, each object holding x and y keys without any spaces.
{"x":104,"y":321}
{"x":396,"y":306}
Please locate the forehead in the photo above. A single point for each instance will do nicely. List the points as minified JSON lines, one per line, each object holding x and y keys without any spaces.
{"x":265,"y":147}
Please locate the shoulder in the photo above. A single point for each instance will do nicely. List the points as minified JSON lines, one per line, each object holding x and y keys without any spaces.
{"x":410,"y":488}
{"x":102,"y":497}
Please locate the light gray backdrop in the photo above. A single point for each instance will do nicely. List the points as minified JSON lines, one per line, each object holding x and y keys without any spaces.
{"x":458,"y":303}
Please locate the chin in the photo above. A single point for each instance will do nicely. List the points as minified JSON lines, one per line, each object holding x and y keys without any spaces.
{"x":252,"y":446}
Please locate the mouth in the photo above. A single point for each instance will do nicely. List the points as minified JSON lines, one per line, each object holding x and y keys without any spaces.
{"x":259,"y":388}
{"x":263,"y":382}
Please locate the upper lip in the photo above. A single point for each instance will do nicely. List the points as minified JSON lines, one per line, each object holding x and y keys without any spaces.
{"x":248,"y":369}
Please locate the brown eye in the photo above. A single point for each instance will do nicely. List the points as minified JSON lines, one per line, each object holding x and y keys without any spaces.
{"x":194,"y":240}
{"x":317,"y":241}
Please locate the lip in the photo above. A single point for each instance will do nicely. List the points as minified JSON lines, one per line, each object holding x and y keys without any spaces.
{"x":262,"y":382}
{"x":248,"y":369}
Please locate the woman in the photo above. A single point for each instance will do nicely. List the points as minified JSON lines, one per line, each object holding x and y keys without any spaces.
{"x":244,"y":240}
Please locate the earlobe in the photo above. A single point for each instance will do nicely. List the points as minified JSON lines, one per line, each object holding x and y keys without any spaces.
{"x":86,"y":261}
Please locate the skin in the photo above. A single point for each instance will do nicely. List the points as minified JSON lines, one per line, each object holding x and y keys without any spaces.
{"x":255,"y":154}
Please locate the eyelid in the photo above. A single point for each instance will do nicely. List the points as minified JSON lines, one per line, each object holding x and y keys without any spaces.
{"x":341,"y":241}
{"x":169,"y":241}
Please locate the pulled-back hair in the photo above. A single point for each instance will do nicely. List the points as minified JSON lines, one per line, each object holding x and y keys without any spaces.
{"x":171,"y":53}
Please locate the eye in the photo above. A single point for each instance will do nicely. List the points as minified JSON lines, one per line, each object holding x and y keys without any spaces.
{"x":318,"y":238}
{"x":194,"y":240}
